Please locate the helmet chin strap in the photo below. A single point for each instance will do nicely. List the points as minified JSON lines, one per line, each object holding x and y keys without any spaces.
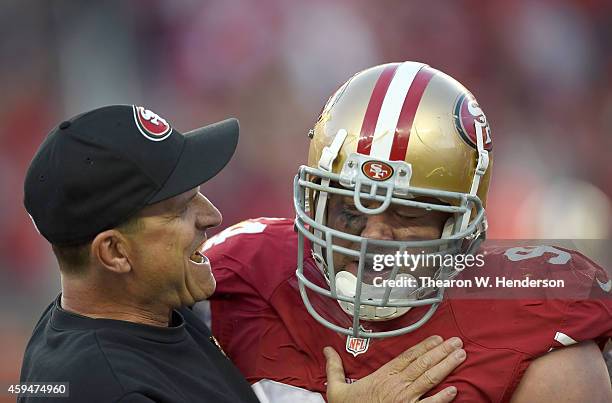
{"x":480,"y":124}
{"x":328,"y":156}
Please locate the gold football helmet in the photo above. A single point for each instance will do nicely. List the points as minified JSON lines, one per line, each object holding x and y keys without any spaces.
{"x":389,"y":135}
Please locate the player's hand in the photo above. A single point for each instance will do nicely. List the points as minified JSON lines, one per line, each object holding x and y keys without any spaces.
{"x":405,"y":378}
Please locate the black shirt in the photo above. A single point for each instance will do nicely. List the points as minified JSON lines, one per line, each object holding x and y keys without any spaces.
{"x":108,"y":360}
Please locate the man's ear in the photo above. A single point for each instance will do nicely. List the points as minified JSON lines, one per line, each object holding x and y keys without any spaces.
{"x":109,"y":249}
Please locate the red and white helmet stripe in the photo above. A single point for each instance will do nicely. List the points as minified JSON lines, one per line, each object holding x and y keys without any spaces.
{"x":387,"y":123}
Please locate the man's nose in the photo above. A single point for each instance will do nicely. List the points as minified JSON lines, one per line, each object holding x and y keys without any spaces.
{"x":208,"y":215}
{"x":378,"y":227}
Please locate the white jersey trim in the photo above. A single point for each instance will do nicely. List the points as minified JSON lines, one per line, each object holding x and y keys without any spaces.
{"x":564,"y":339}
{"x":269,"y":391}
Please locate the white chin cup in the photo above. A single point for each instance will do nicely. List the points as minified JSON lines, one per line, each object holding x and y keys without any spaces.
{"x":346,"y":284}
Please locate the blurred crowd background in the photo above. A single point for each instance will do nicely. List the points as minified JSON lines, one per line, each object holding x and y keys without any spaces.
{"x":541,"y":70}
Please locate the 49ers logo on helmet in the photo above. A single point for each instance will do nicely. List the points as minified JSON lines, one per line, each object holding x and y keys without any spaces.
{"x":150,"y":124}
{"x":470,"y":120}
{"x":377,"y":170}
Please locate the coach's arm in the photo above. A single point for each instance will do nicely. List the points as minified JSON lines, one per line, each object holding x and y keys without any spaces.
{"x":576,"y":373}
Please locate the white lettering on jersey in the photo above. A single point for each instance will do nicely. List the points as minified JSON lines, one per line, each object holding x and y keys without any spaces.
{"x":529,"y":252}
{"x":604,"y":286}
{"x":244,"y":227}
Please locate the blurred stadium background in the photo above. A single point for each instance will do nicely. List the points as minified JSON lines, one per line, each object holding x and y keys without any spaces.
{"x":542,"y":70}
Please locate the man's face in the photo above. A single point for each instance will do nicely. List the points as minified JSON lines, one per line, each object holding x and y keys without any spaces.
{"x":164,"y":251}
{"x":396,"y":223}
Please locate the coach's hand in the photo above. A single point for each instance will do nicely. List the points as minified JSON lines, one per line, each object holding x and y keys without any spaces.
{"x":404,"y":379}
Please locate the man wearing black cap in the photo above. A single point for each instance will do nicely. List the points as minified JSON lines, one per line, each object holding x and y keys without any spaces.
{"x":116,"y":193}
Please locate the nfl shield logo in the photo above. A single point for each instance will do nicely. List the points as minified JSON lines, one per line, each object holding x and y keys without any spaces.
{"x":357,"y":345}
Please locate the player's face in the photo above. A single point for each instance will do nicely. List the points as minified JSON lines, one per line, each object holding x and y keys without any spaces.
{"x":396,"y":223}
{"x":165,"y":250}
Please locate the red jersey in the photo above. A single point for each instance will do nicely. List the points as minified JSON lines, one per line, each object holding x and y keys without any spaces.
{"x":261,"y":322}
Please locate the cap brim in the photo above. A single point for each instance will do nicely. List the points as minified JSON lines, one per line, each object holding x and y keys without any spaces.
{"x":207,"y":150}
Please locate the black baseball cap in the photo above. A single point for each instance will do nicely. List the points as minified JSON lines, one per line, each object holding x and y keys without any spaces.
{"x":98,"y":169}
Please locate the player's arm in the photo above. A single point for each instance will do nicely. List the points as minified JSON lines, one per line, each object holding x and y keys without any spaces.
{"x":572,"y":374}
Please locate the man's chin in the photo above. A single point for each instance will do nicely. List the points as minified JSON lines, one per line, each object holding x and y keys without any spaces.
{"x":208,"y":291}
{"x":201,"y":281}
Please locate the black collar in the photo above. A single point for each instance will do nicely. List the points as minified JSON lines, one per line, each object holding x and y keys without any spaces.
{"x":65,"y":320}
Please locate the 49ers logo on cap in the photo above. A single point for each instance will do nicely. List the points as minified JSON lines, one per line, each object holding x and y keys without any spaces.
{"x":470,"y":120}
{"x":377,"y":170}
{"x":150,"y":124}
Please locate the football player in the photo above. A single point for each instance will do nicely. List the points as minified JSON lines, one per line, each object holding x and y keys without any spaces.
{"x":399,"y":165}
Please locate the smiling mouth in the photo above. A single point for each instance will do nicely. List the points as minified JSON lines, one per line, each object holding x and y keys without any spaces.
{"x":197,"y":256}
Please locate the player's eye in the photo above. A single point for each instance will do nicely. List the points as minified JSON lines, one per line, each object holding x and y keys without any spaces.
{"x":351,"y":214}
{"x":352,"y":217}
{"x":409,"y":214}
